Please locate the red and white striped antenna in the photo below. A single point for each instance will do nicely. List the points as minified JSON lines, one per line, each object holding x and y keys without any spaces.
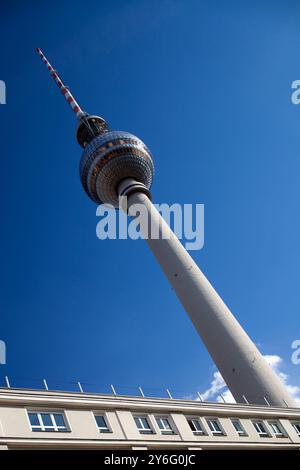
{"x":65,"y":91}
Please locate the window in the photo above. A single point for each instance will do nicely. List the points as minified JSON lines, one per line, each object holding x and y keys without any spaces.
{"x":196,"y":426}
{"x":238,"y":427}
{"x":47,"y":421}
{"x":164,"y":425}
{"x":296,"y":426}
{"x":215,"y":427}
{"x":277,"y":429}
{"x":261,"y":429}
{"x":143,"y":425}
{"x":101,"y":423}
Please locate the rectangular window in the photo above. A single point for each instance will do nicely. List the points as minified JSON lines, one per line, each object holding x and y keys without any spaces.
{"x":143,"y":425}
{"x":196,"y":426}
{"x":261,"y":429}
{"x":101,"y":423}
{"x":296,"y":426}
{"x":238,"y":427}
{"x":215,"y":427}
{"x":47,"y":421}
{"x":164,"y":425}
{"x":277,"y":429}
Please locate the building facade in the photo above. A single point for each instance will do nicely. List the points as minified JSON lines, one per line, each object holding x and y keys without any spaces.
{"x":42,"y":419}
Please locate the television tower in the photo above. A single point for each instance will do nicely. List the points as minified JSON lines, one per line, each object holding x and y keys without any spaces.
{"x":116,"y":164}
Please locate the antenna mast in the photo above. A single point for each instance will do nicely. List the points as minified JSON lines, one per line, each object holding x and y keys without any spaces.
{"x":65,"y":90}
{"x":89,"y":126}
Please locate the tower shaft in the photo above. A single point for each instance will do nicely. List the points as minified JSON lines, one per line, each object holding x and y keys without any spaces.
{"x":244,"y":369}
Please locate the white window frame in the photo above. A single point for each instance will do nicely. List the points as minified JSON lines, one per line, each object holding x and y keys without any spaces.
{"x":108,"y":428}
{"x":242,"y":432}
{"x":42,"y":428}
{"x":196,"y":432}
{"x":257,"y":422}
{"x":143,"y":430}
{"x":282,"y":432}
{"x":296,"y":424}
{"x":215,"y":432}
{"x":165,"y":430}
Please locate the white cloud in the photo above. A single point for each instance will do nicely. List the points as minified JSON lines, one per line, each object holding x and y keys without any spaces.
{"x":216,"y":387}
{"x":219,"y":389}
{"x":276,"y":362}
{"x":226,"y":396}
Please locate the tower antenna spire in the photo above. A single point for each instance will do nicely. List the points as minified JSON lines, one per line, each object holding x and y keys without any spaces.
{"x":89,"y":126}
{"x":76,"y":108}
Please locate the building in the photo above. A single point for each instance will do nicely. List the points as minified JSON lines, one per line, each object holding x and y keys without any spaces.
{"x":43,"y":419}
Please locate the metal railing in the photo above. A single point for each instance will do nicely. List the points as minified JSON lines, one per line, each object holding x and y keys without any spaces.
{"x":125,"y":390}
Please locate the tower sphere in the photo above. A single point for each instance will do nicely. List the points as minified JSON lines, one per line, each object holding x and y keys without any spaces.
{"x":110,"y":158}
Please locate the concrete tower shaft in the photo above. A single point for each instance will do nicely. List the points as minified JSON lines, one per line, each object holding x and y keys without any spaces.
{"x":242,"y":366}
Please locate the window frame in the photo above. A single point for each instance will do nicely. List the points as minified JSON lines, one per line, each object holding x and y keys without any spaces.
{"x":196,"y":432}
{"x":108,"y":428}
{"x":41,"y":427}
{"x":210,"y":419}
{"x":280,"y":427}
{"x":296,"y":424}
{"x":143,"y":430}
{"x":241,"y":433}
{"x":165,"y":431}
{"x":261,"y":434}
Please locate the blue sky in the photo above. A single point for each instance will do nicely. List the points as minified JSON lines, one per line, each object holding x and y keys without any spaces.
{"x":206,"y":84}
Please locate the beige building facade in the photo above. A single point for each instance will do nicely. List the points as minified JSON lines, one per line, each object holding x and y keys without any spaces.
{"x":42,"y":419}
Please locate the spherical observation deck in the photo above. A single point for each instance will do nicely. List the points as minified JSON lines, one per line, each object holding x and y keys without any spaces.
{"x":110,"y":158}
